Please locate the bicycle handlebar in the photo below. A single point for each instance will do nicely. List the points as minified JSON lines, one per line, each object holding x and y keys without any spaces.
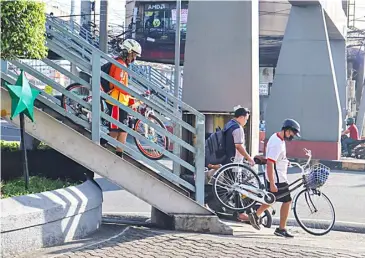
{"x":307,"y":153}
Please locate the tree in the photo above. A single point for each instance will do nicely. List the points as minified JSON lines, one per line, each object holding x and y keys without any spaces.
{"x":23,"y":29}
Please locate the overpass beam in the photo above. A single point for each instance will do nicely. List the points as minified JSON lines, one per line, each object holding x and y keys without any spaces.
{"x":221,"y":66}
{"x":305,"y":85}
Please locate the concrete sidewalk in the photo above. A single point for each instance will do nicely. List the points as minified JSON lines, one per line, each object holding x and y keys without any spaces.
{"x":128,"y":241}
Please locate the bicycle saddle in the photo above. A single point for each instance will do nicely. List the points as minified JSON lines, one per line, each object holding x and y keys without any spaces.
{"x":260,"y":160}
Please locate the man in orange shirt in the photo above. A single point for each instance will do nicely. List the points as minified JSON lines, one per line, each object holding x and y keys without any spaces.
{"x":130,"y":50}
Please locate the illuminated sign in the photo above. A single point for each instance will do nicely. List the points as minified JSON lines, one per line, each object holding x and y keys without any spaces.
{"x":157,"y":6}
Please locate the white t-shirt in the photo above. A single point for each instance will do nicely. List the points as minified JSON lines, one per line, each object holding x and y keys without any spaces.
{"x":276,"y":152}
{"x":239,"y":138}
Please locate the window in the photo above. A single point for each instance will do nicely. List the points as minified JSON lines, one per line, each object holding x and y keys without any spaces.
{"x":161,"y":17}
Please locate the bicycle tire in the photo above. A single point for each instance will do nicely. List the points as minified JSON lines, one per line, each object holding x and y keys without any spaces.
{"x":238,"y":208}
{"x":139,"y":145}
{"x":70,"y":88}
{"x":267,"y":214}
{"x":301,"y":224}
{"x":77,"y":85}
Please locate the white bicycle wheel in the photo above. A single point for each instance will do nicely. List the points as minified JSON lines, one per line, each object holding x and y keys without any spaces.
{"x":224,"y":181}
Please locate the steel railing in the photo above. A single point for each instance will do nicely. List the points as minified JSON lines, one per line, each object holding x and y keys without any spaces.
{"x":162,"y":108}
{"x":83,"y":33}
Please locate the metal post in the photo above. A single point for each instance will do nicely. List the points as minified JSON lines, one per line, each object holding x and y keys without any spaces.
{"x":85,"y":14}
{"x":134,"y":24}
{"x":103,"y":41}
{"x":200,"y":159}
{"x":73,"y":69}
{"x":177,"y":127}
{"x":24,"y":151}
{"x":95,"y":108}
{"x":73,"y":17}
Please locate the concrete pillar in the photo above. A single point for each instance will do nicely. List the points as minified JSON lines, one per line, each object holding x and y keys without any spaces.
{"x":339,"y":57}
{"x":360,"y":119}
{"x":360,"y":76}
{"x":305,"y":86}
{"x":221,"y":68}
{"x":161,"y":220}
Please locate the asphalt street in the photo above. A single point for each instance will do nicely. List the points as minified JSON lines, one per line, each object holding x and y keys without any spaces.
{"x":346,"y":190}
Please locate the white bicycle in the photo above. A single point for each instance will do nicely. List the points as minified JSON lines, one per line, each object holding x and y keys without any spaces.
{"x":239,"y":179}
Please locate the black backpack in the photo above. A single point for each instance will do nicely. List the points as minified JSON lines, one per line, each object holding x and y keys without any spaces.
{"x":215,"y":148}
{"x":104,"y":83}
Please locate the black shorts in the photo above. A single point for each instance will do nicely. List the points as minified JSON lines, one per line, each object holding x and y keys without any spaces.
{"x":119,"y":115}
{"x":286,"y":198}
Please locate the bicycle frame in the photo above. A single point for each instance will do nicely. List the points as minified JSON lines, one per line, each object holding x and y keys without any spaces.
{"x":261,"y":195}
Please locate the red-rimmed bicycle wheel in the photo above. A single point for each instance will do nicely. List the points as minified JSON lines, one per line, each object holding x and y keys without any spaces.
{"x":72,"y":106}
{"x":151,"y":135}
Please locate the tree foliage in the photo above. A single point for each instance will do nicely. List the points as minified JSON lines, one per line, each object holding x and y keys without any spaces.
{"x":23,"y":29}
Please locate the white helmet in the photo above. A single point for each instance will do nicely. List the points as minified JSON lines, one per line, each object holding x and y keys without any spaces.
{"x":132,"y":45}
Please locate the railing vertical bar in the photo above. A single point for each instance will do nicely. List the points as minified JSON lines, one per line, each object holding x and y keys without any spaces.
{"x":95,"y":108}
{"x":200,"y":159}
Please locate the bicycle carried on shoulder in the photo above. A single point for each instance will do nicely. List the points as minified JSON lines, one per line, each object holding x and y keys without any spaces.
{"x":239,"y":179}
{"x":137,"y":125}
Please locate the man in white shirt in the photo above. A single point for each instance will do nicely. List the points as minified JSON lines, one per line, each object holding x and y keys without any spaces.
{"x":276,"y":175}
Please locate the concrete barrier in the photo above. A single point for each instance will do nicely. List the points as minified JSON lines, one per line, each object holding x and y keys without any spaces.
{"x":50,"y":218}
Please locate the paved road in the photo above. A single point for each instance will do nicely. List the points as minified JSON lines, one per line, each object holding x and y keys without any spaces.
{"x":9,"y":132}
{"x":136,"y":242}
{"x":346,"y":189}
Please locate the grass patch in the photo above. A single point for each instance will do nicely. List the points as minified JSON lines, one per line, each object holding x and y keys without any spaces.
{"x":15,"y":146}
{"x":16,"y":187}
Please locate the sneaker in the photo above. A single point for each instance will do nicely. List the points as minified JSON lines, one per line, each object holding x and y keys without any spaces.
{"x":282,"y":233}
{"x":254,"y":220}
{"x":119,"y":153}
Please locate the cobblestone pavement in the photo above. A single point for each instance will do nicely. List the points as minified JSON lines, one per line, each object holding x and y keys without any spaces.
{"x":135,"y":242}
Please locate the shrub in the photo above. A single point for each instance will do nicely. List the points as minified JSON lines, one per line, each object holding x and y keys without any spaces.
{"x":15,"y":146}
{"x":23,"y":29}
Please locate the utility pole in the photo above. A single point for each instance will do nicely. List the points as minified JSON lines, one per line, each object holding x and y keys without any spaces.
{"x":73,"y":14}
{"x":177,"y":82}
{"x":72,"y":22}
{"x":103,"y":40}
{"x":86,"y":14}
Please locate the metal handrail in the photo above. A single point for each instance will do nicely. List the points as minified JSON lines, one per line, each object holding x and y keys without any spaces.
{"x":151,"y":85}
{"x":58,"y":39}
{"x":89,"y":37}
{"x":94,"y":67}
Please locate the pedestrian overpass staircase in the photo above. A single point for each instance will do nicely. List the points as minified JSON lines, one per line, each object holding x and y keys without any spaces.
{"x":77,"y":30}
{"x":152,"y":181}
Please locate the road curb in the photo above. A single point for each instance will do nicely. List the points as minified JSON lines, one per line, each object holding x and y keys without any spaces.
{"x":180,"y":222}
{"x":336,"y":164}
{"x":348,"y":227}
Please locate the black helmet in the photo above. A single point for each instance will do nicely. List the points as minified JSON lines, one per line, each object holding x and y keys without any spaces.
{"x":350,"y":121}
{"x":292,"y":125}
